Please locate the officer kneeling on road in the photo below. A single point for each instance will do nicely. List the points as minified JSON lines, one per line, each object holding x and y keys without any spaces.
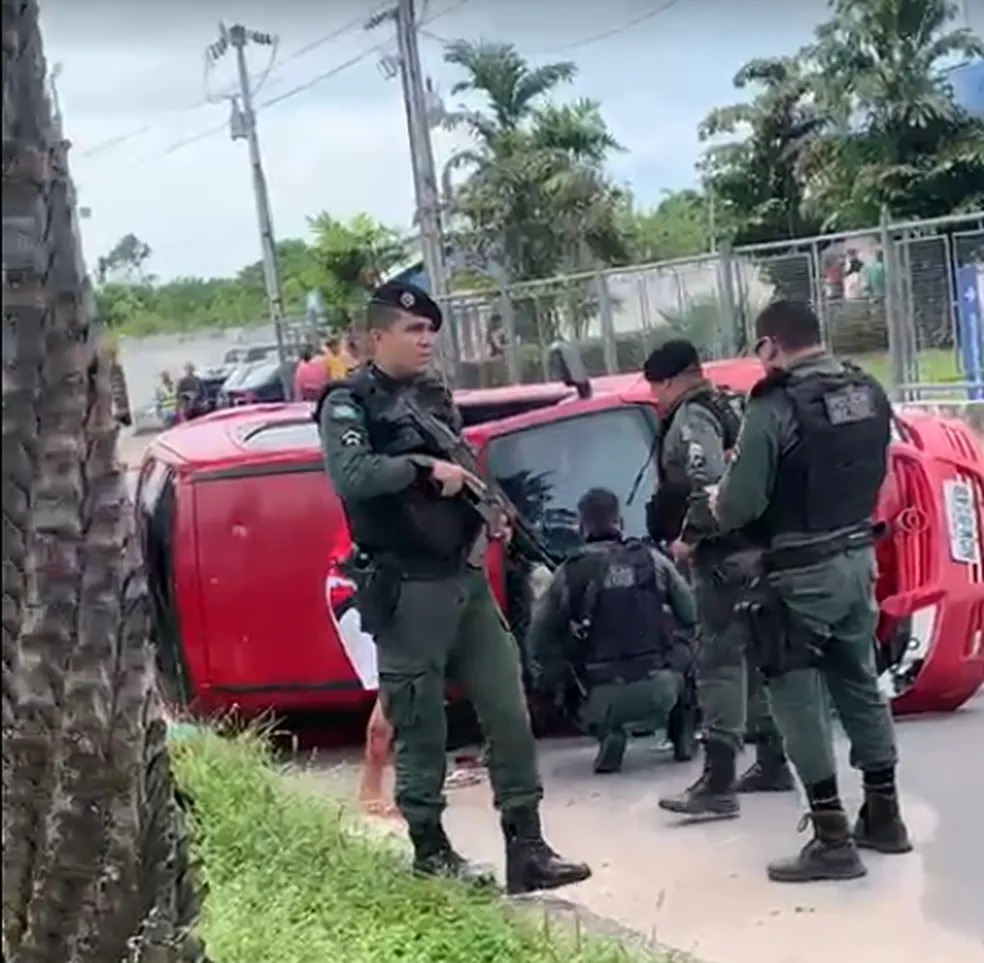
{"x":806,"y":473}
{"x":611,"y":619}
{"x":699,"y":427}
{"x":389,"y":435}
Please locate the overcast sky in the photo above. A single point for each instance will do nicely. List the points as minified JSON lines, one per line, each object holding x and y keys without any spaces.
{"x":132,"y":91}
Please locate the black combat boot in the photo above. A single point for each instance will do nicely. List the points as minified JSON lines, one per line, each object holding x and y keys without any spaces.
{"x":611,"y":752}
{"x":531,"y":864}
{"x":831,"y":854}
{"x":769,"y":773}
{"x":434,"y":856}
{"x":713,"y":795}
{"x":879,"y":825}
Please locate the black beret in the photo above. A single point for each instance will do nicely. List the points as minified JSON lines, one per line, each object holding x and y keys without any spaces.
{"x":670,"y":359}
{"x":409,"y":298}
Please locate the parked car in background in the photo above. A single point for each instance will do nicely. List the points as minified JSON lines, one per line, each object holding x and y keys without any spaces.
{"x":245,"y":539}
{"x":259,"y":382}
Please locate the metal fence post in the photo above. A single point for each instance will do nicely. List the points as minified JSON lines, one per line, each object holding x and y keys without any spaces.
{"x":509,"y":327}
{"x":893,"y":310}
{"x":608,"y":343}
{"x":737,"y":335}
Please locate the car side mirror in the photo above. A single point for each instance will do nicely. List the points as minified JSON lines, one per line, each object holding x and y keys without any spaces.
{"x":564,"y":364}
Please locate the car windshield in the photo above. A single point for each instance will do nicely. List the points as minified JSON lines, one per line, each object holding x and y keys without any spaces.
{"x":232,"y":356}
{"x":260,"y":352}
{"x":258,"y":374}
{"x":546,"y":469}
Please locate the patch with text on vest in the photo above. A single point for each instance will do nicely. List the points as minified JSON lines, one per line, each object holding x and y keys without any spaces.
{"x":850,"y":404}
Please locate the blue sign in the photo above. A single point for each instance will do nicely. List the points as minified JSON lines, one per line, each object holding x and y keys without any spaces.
{"x":968,"y":86}
{"x":971,"y":328}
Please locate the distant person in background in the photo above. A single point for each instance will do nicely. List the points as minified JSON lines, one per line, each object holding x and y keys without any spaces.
{"x":191,"y":394}
{"x":310,"y":376}
{"x":166,"y":400}
{"x":853,"y":276}
{"x":337,"y":361}
{"x":833,"y":275}
{"x":874,"y":277}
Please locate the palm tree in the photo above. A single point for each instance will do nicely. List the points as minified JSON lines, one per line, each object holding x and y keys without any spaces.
{"x":754,"y":177}
{"x":537,"y":198}
{"x":899,"y":139}
{"x":95,"y":864}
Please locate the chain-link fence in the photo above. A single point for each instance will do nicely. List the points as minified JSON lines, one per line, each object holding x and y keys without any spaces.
{"x":902,"y":299}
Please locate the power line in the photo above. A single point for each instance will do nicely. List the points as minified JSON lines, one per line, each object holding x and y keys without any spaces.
{"x":294,"y":91}
{"x":209,"y":101}
{"x":613,"y":31}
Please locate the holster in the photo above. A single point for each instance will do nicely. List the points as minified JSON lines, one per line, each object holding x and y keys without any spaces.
{"x":780,"y":643}
{"x":377,"y":591}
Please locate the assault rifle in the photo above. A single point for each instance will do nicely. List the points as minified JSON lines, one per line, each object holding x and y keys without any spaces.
{"x":489,"y":500}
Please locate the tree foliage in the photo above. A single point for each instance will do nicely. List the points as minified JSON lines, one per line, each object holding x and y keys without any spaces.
{"x":860,"y":122}
{"x":341,"y":260}
{"x":537,"y":200}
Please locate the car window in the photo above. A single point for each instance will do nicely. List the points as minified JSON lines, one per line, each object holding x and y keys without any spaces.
{"x":284,"y":435}
{"x":546,"y":469}
{"x":259,"y":354}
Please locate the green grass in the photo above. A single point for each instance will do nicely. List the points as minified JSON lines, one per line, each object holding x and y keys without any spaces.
{"x":290,"y":880}
{"x":936,"y":366}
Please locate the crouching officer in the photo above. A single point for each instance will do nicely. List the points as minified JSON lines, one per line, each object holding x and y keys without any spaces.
{"x":423,"y":592}
{"x":611,"y":617}
{"x":807,"y":472}
{"x":699,"y":426}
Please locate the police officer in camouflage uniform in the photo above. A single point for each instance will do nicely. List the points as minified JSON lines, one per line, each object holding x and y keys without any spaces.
{"x":806,"y":473}
{"x":424,"y":596}
{"x":699,"y":425}
{"x":612,"y":617}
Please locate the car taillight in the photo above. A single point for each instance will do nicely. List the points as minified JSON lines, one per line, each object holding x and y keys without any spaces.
{"x":905,"y":650}
{"x":340,"y":590}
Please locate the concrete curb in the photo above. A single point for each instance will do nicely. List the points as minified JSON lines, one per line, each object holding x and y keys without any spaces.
{"x":560,"y":913}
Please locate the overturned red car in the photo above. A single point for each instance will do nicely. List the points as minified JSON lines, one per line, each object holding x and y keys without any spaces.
{"x":243,"y":537}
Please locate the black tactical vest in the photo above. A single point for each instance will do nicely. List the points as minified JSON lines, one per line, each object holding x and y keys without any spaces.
{"x":618,"y":606}
{"x":668,"y":506}
{"x":830,"y":478}
{"x":416,"y":526}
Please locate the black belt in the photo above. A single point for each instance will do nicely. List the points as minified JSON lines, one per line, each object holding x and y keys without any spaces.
{"x":409,"y":568}
{"x":802,"y":556}
{"x":627,"y":672}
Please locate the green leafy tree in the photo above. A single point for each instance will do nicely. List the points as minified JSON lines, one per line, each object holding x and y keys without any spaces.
{"x":537,"y":200}
{"x":681,"y":225}
{"x":896,"y":138}
{"x":353,"y":257}
{"x":125,"y":261}
{"x":754,"y":177}
{"x":341,"y":261}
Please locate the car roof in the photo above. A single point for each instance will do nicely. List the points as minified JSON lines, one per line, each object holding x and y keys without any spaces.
{"x":237,"y":436}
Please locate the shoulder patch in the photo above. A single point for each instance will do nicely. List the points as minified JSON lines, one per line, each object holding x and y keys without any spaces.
{"x":342,"y":411}
{"x":352,"y":437}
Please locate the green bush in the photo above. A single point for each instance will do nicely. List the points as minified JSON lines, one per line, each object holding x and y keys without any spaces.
{"x":291,"y":880}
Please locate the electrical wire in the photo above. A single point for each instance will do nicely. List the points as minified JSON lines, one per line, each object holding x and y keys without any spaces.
{"x":613,"y":31}
{"x":294,"y":91}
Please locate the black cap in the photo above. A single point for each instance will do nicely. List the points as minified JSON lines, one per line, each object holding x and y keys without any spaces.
{"x":409,"y":298}
{"x":670,"y":359}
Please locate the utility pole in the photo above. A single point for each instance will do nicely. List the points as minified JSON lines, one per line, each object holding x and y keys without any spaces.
{"x":243,"y":127}
{"x":421,"y":151}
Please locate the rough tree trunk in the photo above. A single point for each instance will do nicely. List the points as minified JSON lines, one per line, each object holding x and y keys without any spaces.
{"x":95,"y":863}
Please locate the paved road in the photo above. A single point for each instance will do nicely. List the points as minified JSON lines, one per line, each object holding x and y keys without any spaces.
{"x":702,"y":888}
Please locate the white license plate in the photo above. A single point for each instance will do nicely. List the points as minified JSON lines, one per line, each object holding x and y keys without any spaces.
{"x":961,"y":520}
